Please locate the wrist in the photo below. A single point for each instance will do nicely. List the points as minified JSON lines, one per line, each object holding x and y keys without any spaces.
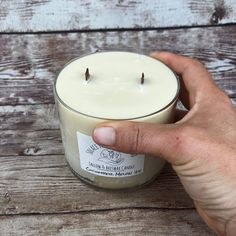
{"x":222,"y":224}
{"x":222,"y":227}
{"x":230,"y":227}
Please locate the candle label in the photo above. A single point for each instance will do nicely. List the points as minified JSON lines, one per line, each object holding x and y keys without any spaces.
{"x":106,"y":162}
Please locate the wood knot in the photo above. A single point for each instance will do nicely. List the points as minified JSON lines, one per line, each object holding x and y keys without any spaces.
{"x":7,"y":197}
{"x":219,"y":13}
{"x":31,"y":151}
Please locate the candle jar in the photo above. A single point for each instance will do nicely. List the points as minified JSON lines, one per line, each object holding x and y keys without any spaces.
{"x":112,"y":86}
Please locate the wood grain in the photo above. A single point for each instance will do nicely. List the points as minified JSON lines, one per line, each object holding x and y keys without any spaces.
{"x":38,"y":193}
{"x":24,"y":142}
{"x":66,"y":15}
{"x":29,"y":117}
{"x":30,"y":63}
{"x":45,"y":184}
{"x":119,"y":222}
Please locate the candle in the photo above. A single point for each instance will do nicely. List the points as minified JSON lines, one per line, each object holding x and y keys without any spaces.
{"x":112,"y":86}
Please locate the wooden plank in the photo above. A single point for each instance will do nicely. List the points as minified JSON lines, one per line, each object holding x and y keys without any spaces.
{"x":66,"y":15}
{"x":29,"y":94}
{"x":119,"y":222}
{"x":29,"y":63}
{"x":28,"y":117}
{"x":45,"y":184}
{"x":24,"y":142}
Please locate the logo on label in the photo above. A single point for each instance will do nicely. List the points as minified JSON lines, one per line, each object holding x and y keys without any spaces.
{"x":111,"y":157}
{"x":106,"y":162}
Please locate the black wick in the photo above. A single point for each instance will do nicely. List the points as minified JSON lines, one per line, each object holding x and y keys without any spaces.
{"x":87,"y":75}
{"x":142,"y":78}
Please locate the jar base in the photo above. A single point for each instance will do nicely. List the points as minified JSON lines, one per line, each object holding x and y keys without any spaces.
{"x":95,"y":186}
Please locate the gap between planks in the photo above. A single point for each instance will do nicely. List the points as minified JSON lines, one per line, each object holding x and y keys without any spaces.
{"x":116,"y":29}
{"x":99,"y":210}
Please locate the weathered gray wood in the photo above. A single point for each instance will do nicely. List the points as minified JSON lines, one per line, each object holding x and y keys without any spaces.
{"x":36,"y":185}
{"x":56,"y":15}
{"x":28,"y":94}
{"x":29,"y":63}
{"x":120,"y":222}
{"x":28,"y":117}
{"x":24,"y":142}
{"x":45,"y":184}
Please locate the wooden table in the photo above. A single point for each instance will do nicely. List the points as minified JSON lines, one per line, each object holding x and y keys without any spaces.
{"x":38,"y":193}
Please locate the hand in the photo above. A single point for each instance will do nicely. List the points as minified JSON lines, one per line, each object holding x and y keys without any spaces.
{"x":201,"y":146}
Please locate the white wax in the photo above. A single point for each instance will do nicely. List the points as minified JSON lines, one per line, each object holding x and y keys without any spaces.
{"x":114,"y":90}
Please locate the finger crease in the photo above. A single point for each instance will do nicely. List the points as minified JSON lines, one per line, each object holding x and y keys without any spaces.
{"x":137,"y":140}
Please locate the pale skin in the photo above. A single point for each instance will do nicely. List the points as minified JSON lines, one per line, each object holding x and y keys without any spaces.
{"x":201,"y":146}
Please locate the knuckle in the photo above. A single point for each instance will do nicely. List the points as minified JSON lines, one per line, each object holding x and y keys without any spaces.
{"x":191,"y":62}
{"x":130,"y":139}
{"x":136,"y":139}
{"x":196,"y":62}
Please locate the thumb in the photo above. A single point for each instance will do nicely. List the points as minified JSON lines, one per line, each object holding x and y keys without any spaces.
{"x":141,"y":138}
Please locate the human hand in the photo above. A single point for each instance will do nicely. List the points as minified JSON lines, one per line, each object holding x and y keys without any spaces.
{"x":201,"y":147}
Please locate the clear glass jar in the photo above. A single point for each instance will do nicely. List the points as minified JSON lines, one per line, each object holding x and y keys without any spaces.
{"x":102,"y":167}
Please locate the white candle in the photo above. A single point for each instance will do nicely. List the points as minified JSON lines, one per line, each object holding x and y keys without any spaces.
{"x":113,"y":91}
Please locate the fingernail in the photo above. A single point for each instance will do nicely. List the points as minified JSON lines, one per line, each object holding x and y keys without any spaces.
{"x":105,"y":135}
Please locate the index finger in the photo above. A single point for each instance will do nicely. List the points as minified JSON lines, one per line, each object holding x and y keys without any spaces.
{"x":197,"y":80}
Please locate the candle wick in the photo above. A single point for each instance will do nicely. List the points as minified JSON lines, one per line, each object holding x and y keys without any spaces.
{"x":87,"y":75}
{"x":142,"y":78}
